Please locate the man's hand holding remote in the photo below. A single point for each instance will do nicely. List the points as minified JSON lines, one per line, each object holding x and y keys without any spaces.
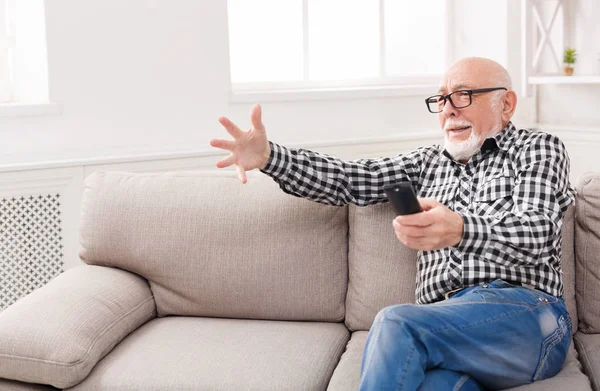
{"x":434,"y":228}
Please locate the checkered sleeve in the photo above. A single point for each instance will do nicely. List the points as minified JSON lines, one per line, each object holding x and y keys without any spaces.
{"x":329,"y":180}
{"x":541,"y":194}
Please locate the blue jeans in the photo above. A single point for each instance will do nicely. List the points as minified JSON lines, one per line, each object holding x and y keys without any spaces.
{"x":492,"y":336}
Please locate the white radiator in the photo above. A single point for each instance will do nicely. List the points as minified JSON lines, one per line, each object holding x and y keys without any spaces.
{"x":31,"y":244}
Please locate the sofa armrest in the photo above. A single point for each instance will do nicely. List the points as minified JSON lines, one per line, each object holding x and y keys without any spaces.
{"x":588,"y":346}
{"x":56,"y":334}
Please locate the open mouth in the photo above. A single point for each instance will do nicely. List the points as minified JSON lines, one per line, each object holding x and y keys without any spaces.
{"x":458,"y":130}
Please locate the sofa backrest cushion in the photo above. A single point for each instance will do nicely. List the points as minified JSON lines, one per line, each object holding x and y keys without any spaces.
{"x":210,"y":246}
{"x":568,"y":264}
{"x":382,"y":271}
{"x":587,"y":249}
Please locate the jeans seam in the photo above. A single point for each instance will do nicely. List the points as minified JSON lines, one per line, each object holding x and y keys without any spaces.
{"x":409,"y":356}
{"x":552,"y":340}
{"x":486,"y":321}
{"x":444,"y":302}
{"x":461,"y":382}
{"x":522,"y":303}
{"x":497,"y":318}
{"x":531,"y":292}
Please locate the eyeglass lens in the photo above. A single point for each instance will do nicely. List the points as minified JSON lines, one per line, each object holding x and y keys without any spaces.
{"x":459,"y":100}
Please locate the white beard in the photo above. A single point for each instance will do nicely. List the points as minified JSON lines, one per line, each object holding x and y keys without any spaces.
{"x":463,"y":150}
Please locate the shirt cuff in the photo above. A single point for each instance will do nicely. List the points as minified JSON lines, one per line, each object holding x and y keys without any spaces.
{"x":279,"y":161}
{"x":476,"y":232}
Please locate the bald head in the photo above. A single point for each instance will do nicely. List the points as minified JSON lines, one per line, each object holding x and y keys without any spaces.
{"x":481,"y":72}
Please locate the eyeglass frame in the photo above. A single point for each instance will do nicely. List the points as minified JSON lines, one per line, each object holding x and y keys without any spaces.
{"x":447,"y":97}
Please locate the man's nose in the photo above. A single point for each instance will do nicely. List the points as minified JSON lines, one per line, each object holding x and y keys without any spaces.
{"x":449,"y":110}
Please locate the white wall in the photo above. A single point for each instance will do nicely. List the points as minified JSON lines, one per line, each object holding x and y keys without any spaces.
{"x":576,"y":105}
{"x":152,"y":75}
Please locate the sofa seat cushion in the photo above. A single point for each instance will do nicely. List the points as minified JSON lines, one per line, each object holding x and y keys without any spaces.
{"x":588,"y":346}
{"x":186,"y":353}
{"x":347,"y":373}
{"x":570,"y":377}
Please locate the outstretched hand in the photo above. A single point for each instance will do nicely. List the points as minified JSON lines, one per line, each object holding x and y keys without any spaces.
{"x":434,"y":228}
{"x":248,"y":150}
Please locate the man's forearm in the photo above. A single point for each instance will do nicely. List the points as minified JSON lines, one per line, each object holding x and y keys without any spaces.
{"x":329,"y":180}
{"x":307,"y":174}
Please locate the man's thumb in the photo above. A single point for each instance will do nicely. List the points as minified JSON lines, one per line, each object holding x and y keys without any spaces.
{"x":256,"y":118}
{"x":428,"y":203}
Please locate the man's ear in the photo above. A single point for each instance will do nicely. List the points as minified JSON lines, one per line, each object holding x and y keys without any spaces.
{"x":510,"y":101}
{"x":509,"y":105}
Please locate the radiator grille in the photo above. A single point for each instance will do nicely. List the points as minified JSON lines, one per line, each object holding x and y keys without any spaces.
{"x":31,"y":251}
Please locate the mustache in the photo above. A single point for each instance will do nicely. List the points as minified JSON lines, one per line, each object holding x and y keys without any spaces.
{"x":457,"y":123}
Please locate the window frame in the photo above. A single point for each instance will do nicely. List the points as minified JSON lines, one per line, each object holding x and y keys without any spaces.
{"x":381,"y":86}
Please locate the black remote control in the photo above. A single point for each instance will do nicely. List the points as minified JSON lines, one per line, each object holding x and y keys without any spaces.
{"x":403,"y":198}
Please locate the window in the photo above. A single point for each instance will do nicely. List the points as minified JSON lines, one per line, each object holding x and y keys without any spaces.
{"x":6,"y":52}
{"x":23,"y":60}
{"x":331,"y":44}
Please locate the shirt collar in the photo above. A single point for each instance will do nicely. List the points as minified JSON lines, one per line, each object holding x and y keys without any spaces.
{"x":501,"y":140}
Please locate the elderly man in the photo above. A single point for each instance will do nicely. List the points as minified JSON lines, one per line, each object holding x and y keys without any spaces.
{"x":490,"y":311}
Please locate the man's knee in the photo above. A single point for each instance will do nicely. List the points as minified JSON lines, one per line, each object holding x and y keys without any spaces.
{"x":400,"y":313}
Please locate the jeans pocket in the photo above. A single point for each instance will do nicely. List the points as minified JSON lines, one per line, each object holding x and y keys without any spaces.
{"x":543,"y":297}
{"x":554,"y":350}
{"x":505,"y":293}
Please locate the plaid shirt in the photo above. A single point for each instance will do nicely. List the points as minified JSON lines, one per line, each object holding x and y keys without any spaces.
{"x":512,"y":195}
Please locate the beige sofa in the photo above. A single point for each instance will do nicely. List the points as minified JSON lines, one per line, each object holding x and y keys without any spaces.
{"x":196,"y":282}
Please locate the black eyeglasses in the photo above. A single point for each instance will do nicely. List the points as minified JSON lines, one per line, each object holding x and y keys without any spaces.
{"x":458,"y":99}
